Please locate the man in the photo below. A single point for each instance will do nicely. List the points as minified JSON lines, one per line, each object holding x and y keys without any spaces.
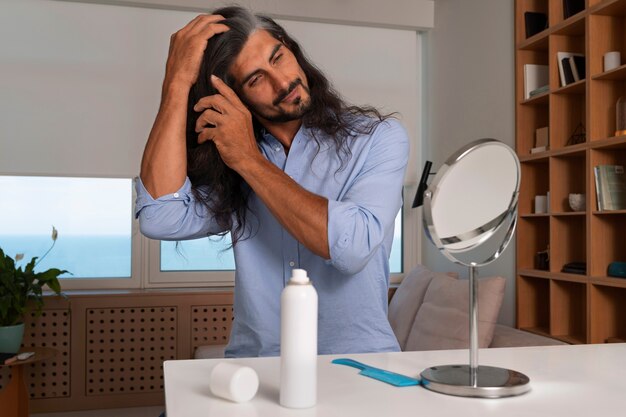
{"x":251,"y":139}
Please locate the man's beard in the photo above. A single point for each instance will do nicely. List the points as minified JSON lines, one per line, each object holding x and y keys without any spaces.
{"x":283,"y":116}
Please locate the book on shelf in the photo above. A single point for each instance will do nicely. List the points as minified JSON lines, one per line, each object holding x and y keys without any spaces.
{"x":577,"y":64}
{"x":610,"y":187}
{"x":535,"y":22}
{"x":535,"y":77}
{"x":572,"y":7}
{"x":565,"y":70}
{"x":538,"y":149}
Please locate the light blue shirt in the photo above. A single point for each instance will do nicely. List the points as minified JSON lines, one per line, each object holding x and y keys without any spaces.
{"x":364,"y":197}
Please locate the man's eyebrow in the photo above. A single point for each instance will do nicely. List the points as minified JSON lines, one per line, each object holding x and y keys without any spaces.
{"x":255,"y":72}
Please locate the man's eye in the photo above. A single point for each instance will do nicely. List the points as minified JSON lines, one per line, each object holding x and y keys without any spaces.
{"x":253,"y":81}
{"x":277,"y":58}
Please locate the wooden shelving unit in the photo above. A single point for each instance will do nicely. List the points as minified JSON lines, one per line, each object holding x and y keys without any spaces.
{"x":591,"y":307}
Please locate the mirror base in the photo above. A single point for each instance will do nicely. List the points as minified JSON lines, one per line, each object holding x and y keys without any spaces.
{"x":492,"y":382}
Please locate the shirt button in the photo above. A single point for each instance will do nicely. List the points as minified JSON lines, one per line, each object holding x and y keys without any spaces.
{"x":176,"y":195}
{"x":292,"y":263}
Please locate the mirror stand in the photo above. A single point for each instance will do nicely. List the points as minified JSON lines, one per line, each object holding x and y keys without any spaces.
{"x":473,"y":380}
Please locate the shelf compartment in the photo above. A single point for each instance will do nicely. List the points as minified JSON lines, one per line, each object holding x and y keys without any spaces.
{"x":532,"y":237}
{"x":567,"y":175}
{"x":602,"y":101}
{"x":606,"y":33}
{"x":607,"y":242}
{"x":533,"y":307}
{"x":567,"y":114}
{"x":562,"y":43}
{"x":526,"y":57}
{"x":603,"y":156}
{"x":568,"y":242}
{"x":523,"y":6}
{"x":608,"y":7}
{"x":568,"y":309}
{"x":535,"y":174}
{"x":608,"y":318}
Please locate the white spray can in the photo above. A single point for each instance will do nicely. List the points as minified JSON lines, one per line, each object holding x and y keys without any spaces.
{"x":298,"y":342}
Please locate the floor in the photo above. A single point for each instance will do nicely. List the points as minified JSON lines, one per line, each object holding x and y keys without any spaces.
{"x":118,"y":412}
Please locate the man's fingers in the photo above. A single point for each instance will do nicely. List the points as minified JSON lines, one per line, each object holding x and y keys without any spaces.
{"x":206,"y":134}
{"x":202,"y":20}
{"x":225,"y":90}
{"x":215,"y":101}
{"x":208,"y":119}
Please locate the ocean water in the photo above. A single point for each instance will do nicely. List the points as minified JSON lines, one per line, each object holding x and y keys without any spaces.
{"x":110,"y":256}
{"x":83,"y":256}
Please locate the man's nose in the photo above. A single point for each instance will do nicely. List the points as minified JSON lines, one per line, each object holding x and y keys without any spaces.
{"x":281,"y":81}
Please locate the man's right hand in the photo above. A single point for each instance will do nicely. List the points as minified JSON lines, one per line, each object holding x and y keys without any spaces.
{"x":187,"y":49}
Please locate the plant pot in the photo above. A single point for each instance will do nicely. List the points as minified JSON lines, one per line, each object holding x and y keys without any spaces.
{"x":11,"y":338}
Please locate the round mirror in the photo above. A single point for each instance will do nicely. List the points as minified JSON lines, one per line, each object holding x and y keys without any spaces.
{"x":473,"y":196}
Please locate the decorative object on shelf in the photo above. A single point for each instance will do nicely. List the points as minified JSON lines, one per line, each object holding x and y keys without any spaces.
{"x":536,"y":78}
{"x":578,"y":136}
{"x":610,"y":187}
{"x":542,"y":260}
{"x":575,"y":268}
{"x":576,"y":201}
{"x":541,"y":204}
{"x":577,"y":64}
{"x":474,"y":235}
{"x":542,"y":140}
{"x":572,"y":7}
{"x":617,"y":270}
{"x":21,"y":290}
{"x":535,"y":22}
{"x":566,"y":75}
{"x":620,"y":117}
{"x":612,"y":60}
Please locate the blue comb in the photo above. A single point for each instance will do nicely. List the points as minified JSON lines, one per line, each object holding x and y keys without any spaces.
{"x":392,"y":378}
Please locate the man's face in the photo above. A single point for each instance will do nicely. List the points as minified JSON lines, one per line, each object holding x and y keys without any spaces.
{"x":269,"y":80}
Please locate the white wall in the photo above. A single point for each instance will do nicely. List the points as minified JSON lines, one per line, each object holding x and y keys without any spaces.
{"x":470,"y":95}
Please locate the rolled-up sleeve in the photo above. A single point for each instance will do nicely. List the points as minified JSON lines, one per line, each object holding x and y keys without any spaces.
{"x":176,"y":216}
{"x":361,"y":219}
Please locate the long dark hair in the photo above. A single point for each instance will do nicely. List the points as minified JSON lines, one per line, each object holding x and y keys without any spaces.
{"x":328,"y":114}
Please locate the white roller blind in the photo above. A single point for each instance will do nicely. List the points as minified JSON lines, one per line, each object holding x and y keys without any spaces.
{"x":80,"y":83}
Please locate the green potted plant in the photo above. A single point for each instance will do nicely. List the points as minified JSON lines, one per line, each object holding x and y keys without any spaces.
{"x":21,"y":291}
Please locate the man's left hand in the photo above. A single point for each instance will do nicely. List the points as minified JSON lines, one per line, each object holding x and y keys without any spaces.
{"x":226,"y":121}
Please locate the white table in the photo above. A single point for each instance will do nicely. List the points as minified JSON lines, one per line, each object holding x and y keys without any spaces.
{"x":582,"y":380}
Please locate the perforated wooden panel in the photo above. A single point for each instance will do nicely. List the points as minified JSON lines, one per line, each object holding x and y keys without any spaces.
{"x":50,"y":378}
{"x":210,"y":325}
{"x":126,"y":348}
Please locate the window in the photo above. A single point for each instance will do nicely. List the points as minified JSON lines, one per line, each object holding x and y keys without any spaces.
{"x":92,"y":216}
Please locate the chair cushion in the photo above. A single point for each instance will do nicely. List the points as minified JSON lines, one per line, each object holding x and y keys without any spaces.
{"x":407,"y":300}
{"x":442,"y":321}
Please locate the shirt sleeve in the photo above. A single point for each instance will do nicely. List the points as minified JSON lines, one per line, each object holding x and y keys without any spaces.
{"x":359,"y":222}
{"x":176,"y":216}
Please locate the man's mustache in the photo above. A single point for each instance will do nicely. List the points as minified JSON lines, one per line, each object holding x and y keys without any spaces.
{"x":285,"y":93}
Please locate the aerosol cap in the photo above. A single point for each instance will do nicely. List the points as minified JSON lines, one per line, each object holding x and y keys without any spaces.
{"x":299,"y":276}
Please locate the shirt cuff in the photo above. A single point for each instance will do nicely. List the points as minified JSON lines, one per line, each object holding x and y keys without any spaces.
{"x":145,"y":200}
{"x":338,"y":234}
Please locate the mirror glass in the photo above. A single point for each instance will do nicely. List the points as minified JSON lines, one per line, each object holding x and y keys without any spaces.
{"x":473,"y":196}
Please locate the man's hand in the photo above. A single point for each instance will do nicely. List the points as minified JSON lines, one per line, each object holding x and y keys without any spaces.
{"x":226,"y":121}
{"x":187,"y":48}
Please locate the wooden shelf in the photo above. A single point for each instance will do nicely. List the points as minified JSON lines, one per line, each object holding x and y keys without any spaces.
{"x":618,"y":73}
{"x":570,"y":213}
{"x":573,"y":308}
{"x":609,"y":281}
{"x":577,"y":87}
